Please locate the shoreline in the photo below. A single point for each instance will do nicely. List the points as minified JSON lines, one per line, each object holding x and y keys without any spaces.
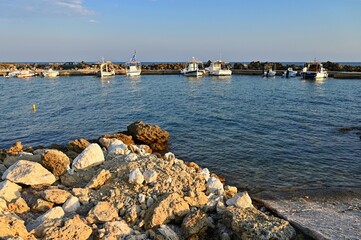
{"x":117,"y":188}
{"x":335,"y":70}
{"x":314,"y":213}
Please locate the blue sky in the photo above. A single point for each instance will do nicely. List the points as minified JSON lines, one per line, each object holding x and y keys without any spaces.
{"x":174,"y":30}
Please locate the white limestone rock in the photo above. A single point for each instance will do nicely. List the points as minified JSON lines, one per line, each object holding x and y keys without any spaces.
{"x":9,"y":190}
{"x":71,"y":205}
{"x":169,"y":156}
{"x":136,"y":177}
{"x":214,"y":185}
{"x":106,"y":142}
{"x":91,"y":156}
{"x":150,"y":176}
{"x":29,"y":173}
{"x":206,"y":174}
{"x":141,"y":198}
{"x":240,"y":200}
{"x":54,"y":213}
{"x":117,"y":147}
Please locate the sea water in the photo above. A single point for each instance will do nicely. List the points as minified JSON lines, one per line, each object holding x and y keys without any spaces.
{"x":260,"y":134}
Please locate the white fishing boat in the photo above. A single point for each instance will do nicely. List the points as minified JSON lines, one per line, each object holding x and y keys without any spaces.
{"x":134,"y":68}
{"x":314,"y":71}
{"x":106,"y":69}
{"x":219,"y":68}
{"x":269,"y":73}
{"x":26,"y":74}
{"x":192,"y":69}
{"x":12,"y":74}
{"x":50,"y":73}
{"x":289,"y":73}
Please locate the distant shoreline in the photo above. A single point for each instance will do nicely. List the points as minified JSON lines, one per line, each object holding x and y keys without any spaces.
{"x":336,"y":70}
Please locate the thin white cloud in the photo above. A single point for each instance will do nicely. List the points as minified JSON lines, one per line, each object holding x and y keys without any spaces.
{"x":92,"y":21}
{"x":75,"y":6}
{"x":23,"y":9}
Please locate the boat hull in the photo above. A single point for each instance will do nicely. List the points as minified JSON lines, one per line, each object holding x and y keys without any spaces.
{"x":133,"y":73}
{"x":105,"y":74}
{"x":220,"y":73}
{"x":314,"y":75}
{"x":193,"y":73}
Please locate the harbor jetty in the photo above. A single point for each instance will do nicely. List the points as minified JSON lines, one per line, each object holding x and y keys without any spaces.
{"x":123,"y":186}
{"x":335,"y":70}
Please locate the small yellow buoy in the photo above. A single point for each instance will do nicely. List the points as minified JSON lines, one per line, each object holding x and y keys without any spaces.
{"x":34,"y":108}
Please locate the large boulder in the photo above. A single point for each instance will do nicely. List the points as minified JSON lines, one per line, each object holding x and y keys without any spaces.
{"x":195,"y":224}
{"x":91,"y":156}
{"x":19,"y":206}
{"x":12,"y":227}
{"x":9,"y":190}
{"x":55,"y":161}
{"x":57,"y":196}
{"x":73,"y":228}
{"x":29,"y":173}
{"x":170,"y":207}
{"x":241,"y":200}
{"x":149,"y":134}
{"x":102,"y":212}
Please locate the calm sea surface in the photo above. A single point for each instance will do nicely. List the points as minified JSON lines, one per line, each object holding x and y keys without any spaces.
{"x":279,"y":134}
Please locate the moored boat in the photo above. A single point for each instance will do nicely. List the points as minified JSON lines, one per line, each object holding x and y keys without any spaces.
{"x":219,"y":68}
{"x":26,"y":74}
{"x":106,"y":70}
{"x":289,"y":73}
{"x":269,"y":73}
{"x":193,"y":69}
{"x":50,"y":73}
{"x":12,"y":74}
{"x":134,"y":67}
{"x":314,"y":71}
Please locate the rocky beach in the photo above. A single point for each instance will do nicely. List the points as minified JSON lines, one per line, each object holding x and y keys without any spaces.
{"x":122,"y":186}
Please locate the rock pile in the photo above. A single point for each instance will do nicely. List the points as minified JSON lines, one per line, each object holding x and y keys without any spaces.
{"x":112,"y":190}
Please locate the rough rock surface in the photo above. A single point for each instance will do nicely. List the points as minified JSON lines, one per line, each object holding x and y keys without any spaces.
{"x":73,"y":228}
{"x":55,"y":161}
{"x":168,"y":199}
{"x":19,"y":206}
{"x":120,"y":136}
{"x":151,"y":135}
{"x":166,"y":209}
{"x":78,"y":145}
{"x":99,"y":179}
{"x":15,"y":149}
{"x":9,"y":190}
{"x":321,"y":219}
{"x":250,"y":223}
{"x":103,"y":212}
{"x":12,"y":226}
{"x":57,"y":196}
{"x":29,"y":173}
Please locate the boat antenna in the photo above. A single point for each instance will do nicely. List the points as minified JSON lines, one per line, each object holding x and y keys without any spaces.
{"x":102,"y":59}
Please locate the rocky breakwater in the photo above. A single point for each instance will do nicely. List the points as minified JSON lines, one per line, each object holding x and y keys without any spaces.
{"x":114,"y":190}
